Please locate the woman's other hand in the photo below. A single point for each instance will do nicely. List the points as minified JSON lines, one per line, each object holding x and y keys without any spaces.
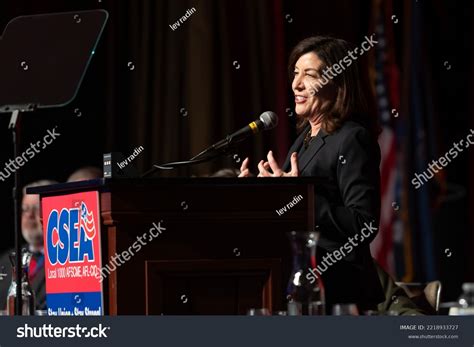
{"x":263,"y":167}
{"x":244,"y":169}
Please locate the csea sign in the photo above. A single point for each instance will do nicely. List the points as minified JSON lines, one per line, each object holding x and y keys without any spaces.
{"x":72,"y":254}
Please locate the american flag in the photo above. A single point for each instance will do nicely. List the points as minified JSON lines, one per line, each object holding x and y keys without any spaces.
{"x":385,"y":80}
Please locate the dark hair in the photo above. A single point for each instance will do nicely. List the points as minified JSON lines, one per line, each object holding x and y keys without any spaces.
{"x":351,"y":101}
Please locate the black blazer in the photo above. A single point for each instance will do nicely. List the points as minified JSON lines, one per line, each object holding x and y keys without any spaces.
{"x":348,"y":160}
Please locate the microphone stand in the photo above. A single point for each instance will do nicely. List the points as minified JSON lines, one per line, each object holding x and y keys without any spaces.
{"x":222,"y":145}
{"x":14,"y":126}
{"x":197,"y":159}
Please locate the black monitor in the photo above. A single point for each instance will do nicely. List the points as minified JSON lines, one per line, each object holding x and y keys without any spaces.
{"x":43,"y":58}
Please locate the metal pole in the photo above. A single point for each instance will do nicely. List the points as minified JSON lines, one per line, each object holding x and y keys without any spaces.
{"x":14,"y":126}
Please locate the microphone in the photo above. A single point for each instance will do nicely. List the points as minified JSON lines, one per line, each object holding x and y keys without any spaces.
{"x":267,"y":120}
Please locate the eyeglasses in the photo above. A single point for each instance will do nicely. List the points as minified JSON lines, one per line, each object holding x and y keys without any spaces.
{"x":30,"y":208}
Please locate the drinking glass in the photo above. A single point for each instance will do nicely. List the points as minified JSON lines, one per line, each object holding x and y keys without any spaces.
{"x":258,"y":312}
{"x":345,"y":310}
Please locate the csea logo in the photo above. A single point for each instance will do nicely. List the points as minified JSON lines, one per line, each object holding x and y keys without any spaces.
{"x":70,"y":235}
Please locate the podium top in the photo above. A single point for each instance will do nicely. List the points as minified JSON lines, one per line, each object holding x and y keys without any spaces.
{"x":110,"y":184}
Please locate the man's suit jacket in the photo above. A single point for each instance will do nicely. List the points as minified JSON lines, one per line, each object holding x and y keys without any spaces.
{"x":348,"y":162}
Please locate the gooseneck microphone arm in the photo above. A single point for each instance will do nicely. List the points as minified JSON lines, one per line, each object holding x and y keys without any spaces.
{"x":198,"y":159}
{"x":215,"y":147}
{"x":267,"y":120}
{"x":173,"y":165}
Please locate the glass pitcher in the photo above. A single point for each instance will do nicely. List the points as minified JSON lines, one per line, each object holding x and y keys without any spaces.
{"x":305,"y":290}
{"x":27,"y":294}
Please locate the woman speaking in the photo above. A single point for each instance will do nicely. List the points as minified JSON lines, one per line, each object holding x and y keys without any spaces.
{"x":338,"y":142}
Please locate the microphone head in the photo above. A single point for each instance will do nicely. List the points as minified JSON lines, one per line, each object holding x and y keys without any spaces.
{"x":269,"y":120}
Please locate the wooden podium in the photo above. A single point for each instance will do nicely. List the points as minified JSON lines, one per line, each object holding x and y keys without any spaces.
{"x":224,"y":250}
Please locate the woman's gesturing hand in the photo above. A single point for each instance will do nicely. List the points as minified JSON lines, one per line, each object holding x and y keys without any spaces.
{"x":244,"y":169}
{"x":263,"y":167}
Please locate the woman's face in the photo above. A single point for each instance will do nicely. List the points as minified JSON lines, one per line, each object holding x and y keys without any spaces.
{"x":310,"y":99}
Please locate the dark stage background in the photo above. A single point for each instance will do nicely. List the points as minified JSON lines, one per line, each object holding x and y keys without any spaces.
{"x":174,"y":92}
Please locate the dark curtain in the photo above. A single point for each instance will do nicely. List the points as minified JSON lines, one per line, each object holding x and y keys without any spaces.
{"x":191,"y":86}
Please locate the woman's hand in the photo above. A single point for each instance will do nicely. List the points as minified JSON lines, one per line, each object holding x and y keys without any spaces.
{"x":263,"y":167}
{"x":244,"y":169}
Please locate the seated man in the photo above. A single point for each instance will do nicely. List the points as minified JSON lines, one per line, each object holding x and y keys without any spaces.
{"x":85,"y":173}
{"x":32,"y":232}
